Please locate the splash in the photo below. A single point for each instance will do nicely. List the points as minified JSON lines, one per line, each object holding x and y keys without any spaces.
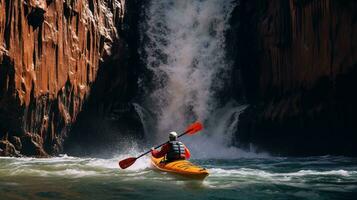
{"x":216,"y":140}
{"x":71,"y":167}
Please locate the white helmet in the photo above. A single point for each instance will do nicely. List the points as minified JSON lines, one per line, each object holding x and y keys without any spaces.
{"x":172,"y":136}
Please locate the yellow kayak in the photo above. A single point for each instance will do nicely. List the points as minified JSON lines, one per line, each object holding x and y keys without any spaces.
{"x":180,"y":167}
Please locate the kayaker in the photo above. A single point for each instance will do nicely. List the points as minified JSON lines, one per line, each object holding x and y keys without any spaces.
{"x":173,"y":150}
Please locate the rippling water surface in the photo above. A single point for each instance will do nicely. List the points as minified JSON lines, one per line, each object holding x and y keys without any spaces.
{"x":247,"y":178}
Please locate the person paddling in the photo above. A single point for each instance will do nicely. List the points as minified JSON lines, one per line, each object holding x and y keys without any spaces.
{"x":190,"y":130}
{"x":173,"y":150}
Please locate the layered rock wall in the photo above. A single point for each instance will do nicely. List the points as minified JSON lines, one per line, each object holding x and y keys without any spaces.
{"x":50,"y":53}
{"x":299,"y":65}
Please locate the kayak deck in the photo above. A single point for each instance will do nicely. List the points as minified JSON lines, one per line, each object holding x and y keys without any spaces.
{"x":180,"y":167}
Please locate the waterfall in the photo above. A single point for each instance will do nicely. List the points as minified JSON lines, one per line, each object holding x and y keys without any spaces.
{"x":184,"y":52}
{"x":145,"y":118}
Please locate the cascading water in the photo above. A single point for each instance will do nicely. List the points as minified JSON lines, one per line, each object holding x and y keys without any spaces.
{"x":145,"y":117}
{"x":184,"y":51}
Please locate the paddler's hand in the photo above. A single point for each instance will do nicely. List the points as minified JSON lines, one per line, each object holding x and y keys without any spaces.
{"x":152,"y":149}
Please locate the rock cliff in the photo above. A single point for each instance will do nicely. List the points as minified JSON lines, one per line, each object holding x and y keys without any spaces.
{"x":50,"y":54}
{"x":109,"y":119}
{"x":299,"y":66}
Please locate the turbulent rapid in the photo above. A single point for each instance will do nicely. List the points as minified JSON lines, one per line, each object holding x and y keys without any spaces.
{"x":68,"y":177}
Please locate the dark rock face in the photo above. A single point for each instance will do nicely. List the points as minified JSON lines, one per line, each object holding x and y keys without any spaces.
{"x":299,"y":66}
{"x":50,"y":55}
{"x":109,"y":120}
{"x":36,"y":17}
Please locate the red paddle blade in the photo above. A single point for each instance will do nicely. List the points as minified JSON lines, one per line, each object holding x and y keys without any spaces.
{"x":127,"y":162}
{"x":194,"y":128}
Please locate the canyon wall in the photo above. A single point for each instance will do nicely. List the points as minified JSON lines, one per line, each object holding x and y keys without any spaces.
{"x":50,"y":55}
{"x":298,"y":60}
{"x":109,"y":119}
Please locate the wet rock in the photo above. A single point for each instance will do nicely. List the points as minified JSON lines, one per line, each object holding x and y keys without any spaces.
{"x":8,"y":149}
{"x":17,"y":142}
{"x":33,"y":145}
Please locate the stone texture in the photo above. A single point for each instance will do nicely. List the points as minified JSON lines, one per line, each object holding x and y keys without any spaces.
{"x":50,"y":53}
{"x":8,"y":149}
{"x":299,"y":66}
{"x":109,"y":119}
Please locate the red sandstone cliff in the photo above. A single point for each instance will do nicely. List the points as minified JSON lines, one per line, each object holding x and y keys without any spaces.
{"x":50,"y":52}
{"x":299,"y":65}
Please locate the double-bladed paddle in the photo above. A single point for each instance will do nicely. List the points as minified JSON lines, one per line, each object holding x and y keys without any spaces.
{"x":192,"y":129}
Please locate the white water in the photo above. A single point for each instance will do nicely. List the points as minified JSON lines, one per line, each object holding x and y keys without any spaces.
{"x":68,"y":177}
{"x":184,"y":48}
{"x":228,"y":174}
{"x":81,"y":167}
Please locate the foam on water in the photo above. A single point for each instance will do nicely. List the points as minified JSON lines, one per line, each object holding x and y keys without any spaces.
{"x":236,"y":178}
{"x":68,"y":166}
{"x":246,"y":176}
{"x":264,"y":174}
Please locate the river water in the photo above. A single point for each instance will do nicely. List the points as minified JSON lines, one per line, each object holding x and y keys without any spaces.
{"x":68,"y":177}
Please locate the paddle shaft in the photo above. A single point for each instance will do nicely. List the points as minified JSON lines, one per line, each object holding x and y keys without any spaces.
{"x":160,"y":145}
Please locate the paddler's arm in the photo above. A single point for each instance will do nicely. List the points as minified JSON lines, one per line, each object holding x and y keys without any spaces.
{"x":187,"y":153}
{"x":162,"y":152}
